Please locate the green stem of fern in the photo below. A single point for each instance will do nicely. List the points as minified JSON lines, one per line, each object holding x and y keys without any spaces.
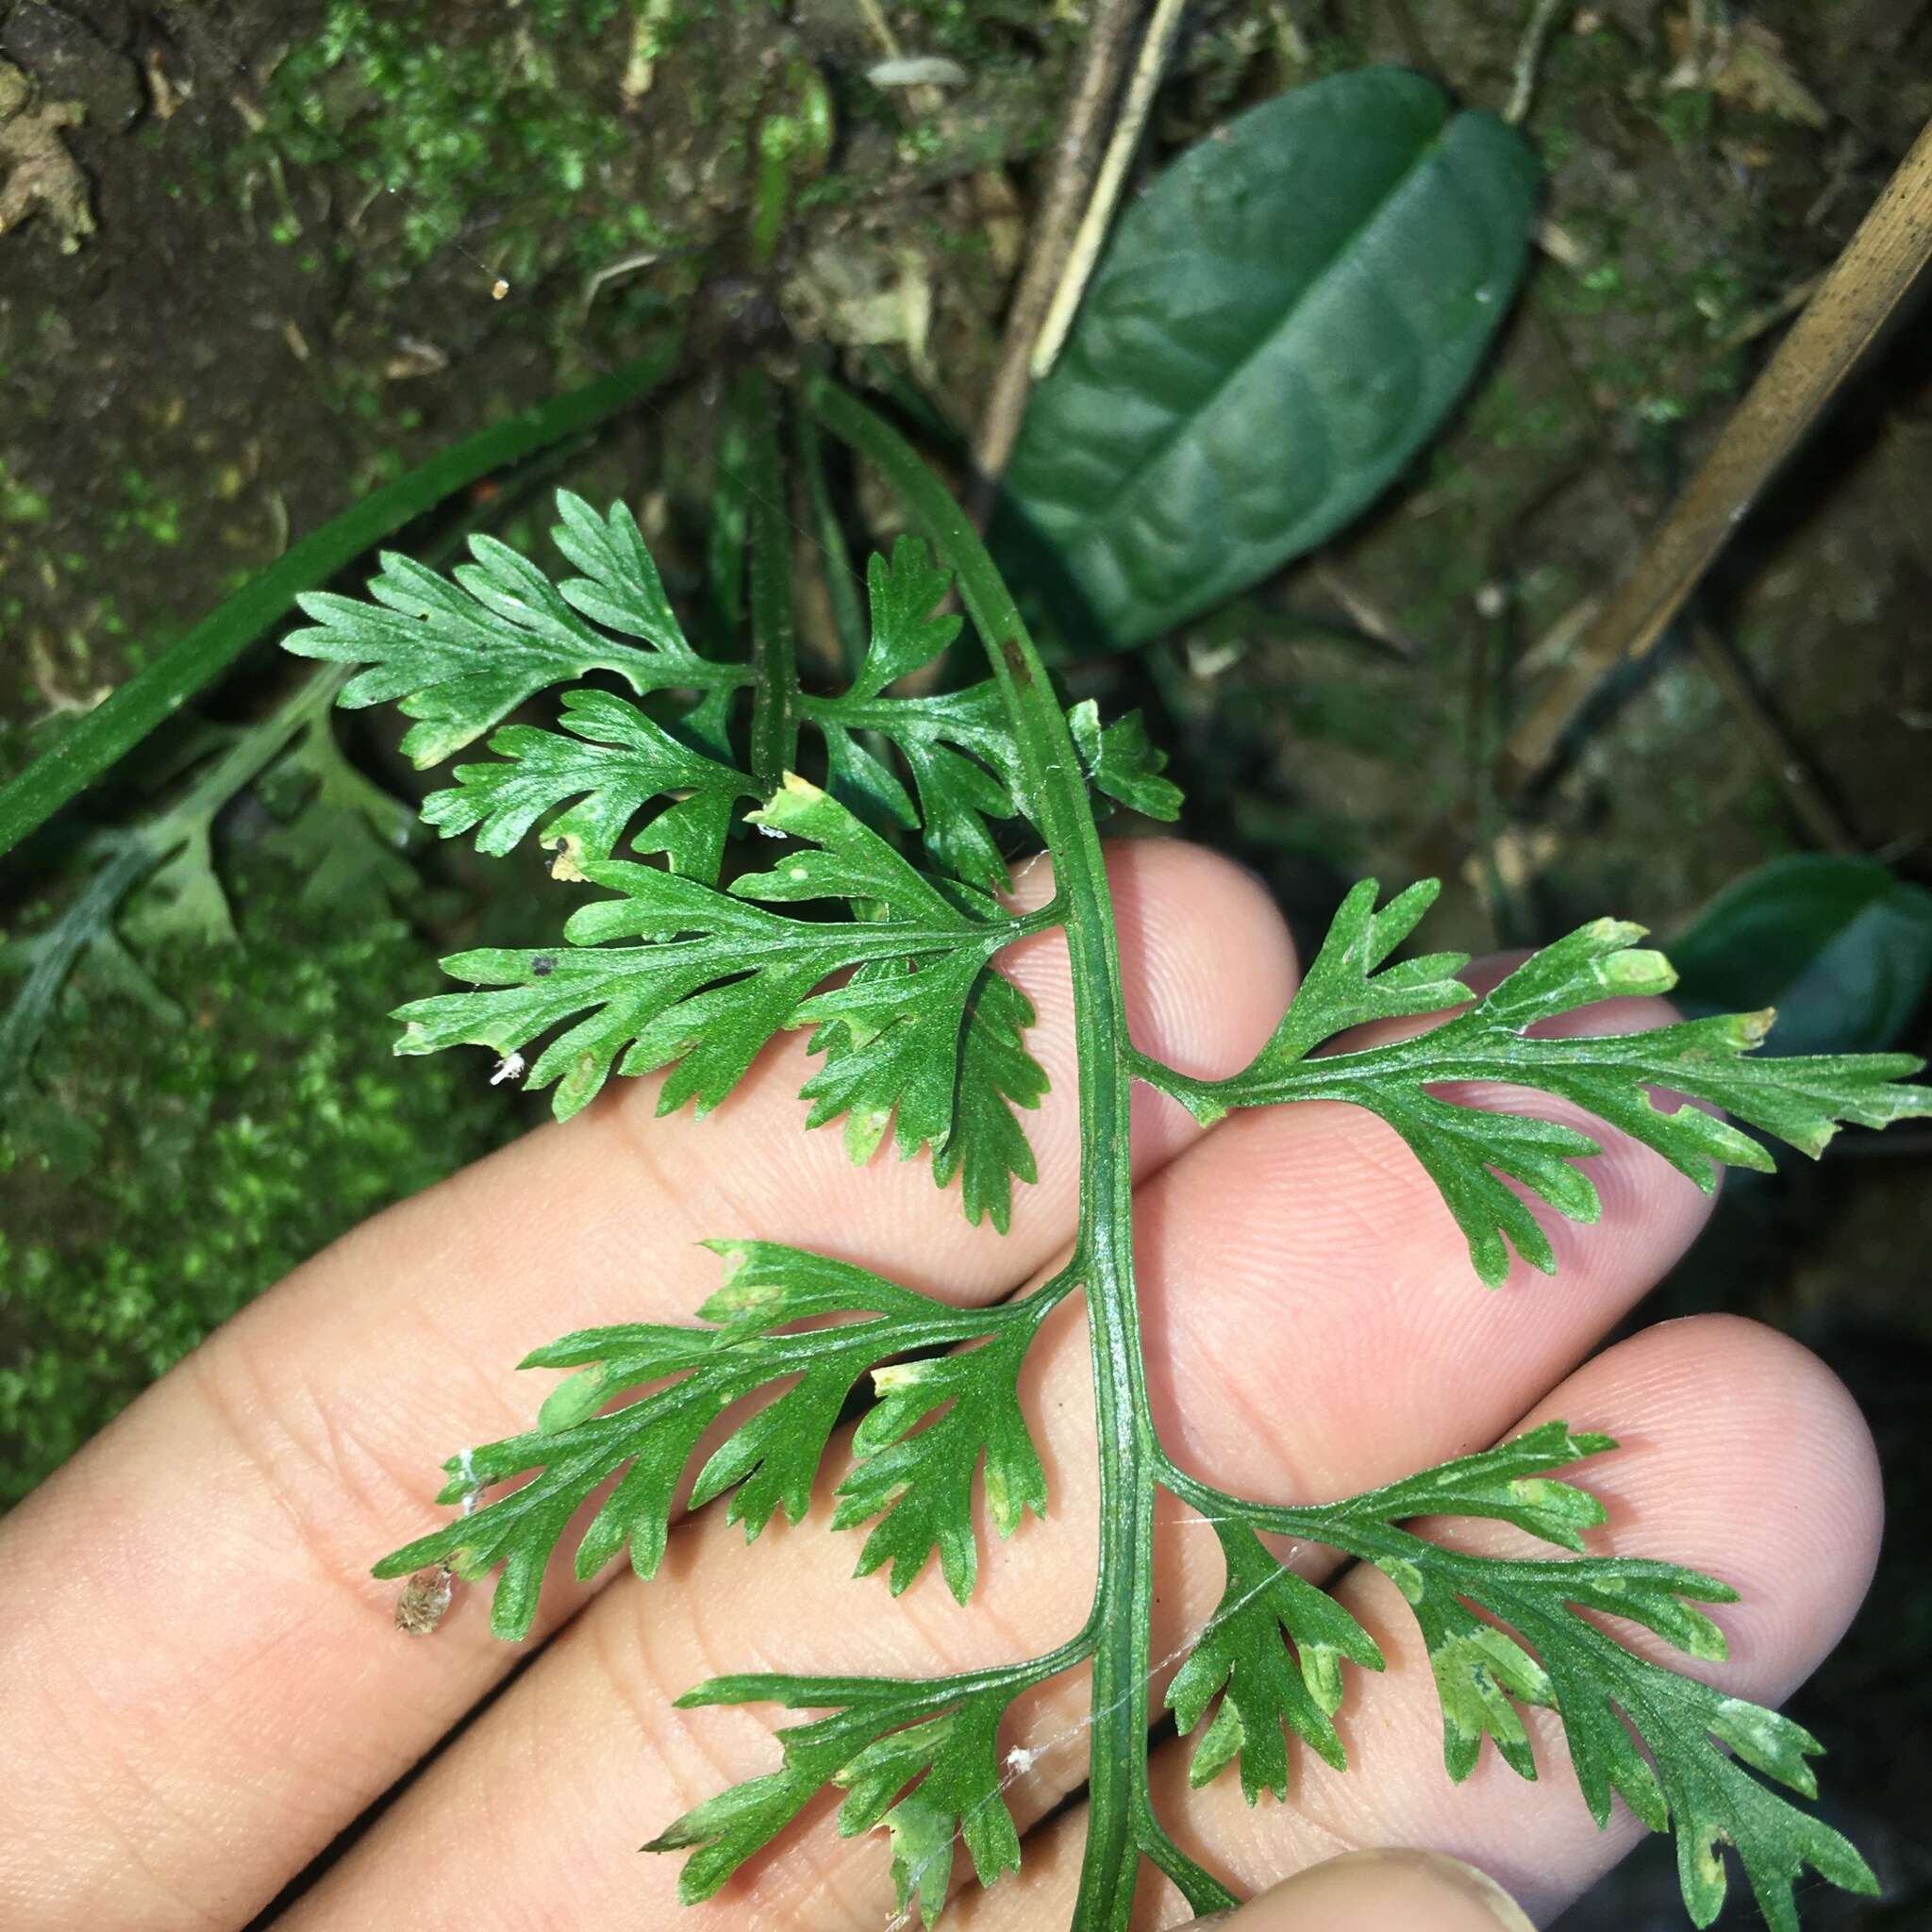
{"x":152,"y":696}
{"x":1054,"y":795}
{"x":774,"y":651}
{"x":841,"y":581}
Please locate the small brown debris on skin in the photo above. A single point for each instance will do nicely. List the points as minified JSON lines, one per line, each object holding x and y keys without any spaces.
{"x":39,"y":171}
{"x":424,"y":1602}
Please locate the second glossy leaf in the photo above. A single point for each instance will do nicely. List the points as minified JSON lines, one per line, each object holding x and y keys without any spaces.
{"x":1280,"y":322}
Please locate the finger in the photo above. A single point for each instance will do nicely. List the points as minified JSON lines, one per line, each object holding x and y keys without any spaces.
{"x":1227,"y":1288}
{"x":1344,"y":1243}
{"x":198,"y":1681}
{"x":1381,"y":1891}
{"x":1742,"y":1456}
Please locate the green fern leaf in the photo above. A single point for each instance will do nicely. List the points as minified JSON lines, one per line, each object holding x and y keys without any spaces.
{"x":906,"y":636}
{"x":1470,"y":1152}
{"x":915,"y":1033}
{"x":1273,"y":1652}
{"x":884,"y":1736}
{"x":614,"y":761}
{"x":619,"y":588}
{"x":459,"y":657}
{"x":957,"y":1798}
{"x":986,"y":1147}
{"x":957,"y":746}
{"x":718,"y":976}
{"x":692,"y":1375}
{"x":1541,"y":1641}
{"x":1124,"y":762}
{"x":922,"y":1482}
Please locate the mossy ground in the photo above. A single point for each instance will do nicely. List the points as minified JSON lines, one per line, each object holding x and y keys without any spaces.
{"x":158,"y":1175}
{"x":303,"y":208}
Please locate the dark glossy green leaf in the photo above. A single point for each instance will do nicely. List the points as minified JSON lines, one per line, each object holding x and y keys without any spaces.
{"x":1840,"y":947}
{"x":1279,"y":322}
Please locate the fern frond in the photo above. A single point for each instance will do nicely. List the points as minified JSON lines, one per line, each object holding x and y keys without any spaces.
{"x":717,"y":977}
{"x":770,"y":1461}
{"x":938,"y":1738}
{"x":460,"y":656}
{"x":1541,"y":1641}
{"x":613,"y":760}
{"x":1470,"y":1152}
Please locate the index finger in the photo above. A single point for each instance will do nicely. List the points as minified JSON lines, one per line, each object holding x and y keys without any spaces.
{"x":199,"y":1683}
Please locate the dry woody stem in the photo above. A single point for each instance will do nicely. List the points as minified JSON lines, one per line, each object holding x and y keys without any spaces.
{"x":1865,"y":286}
{"x":1095,"y":85}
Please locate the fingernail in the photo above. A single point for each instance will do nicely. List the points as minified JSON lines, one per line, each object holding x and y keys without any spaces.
{"x":1382,"y":1892}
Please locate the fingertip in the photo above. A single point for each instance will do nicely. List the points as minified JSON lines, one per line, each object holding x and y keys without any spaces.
{"x":1758,"y":1459}
{"x":1393,"y":1891}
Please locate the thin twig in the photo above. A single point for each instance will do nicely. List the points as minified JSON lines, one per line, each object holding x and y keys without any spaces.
{"x":1094,"y":90}
{"x":1529,"y":56}
{"x":1814,"y":809}
{"x":1368,"y":617}
{"x":1142,"y":86}
{"x":881,"y":28}
{"x":1863,"y":287}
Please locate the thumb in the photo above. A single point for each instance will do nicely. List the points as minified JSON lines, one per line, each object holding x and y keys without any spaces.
{"x":1381,"y":1891}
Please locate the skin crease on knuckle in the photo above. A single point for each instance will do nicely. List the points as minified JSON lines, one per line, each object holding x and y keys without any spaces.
{"x":1207,"y":1340}
{"x":324,"y":1466}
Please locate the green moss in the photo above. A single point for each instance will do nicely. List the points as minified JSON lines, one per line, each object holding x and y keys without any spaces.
{"x":510,"y":116}
{"x":1506,"y":419}
{"x":158,"y":1179}
{"x":19,"y":503}
{"x":1687,"y":115}
{"x":145,"y":512}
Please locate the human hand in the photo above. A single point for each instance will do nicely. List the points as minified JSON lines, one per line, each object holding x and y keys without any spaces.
{"x":201,"y":1686}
